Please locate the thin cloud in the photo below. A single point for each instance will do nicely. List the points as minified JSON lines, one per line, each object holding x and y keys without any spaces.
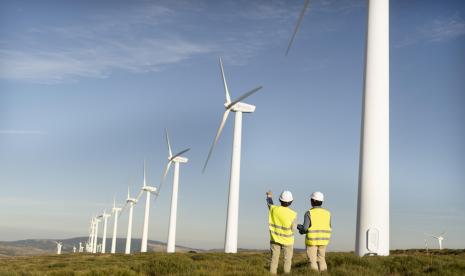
{"x":147,"y":38}
{"x":440,"y":29}
{"x":22,"y":132}
{"x":129,"y":41}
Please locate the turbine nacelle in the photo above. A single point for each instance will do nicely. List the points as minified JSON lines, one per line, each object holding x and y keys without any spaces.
{"x":241,"y":107}
{"x":131,"y":200}
{"x":149,"y":189}
{"x":179,"y":159}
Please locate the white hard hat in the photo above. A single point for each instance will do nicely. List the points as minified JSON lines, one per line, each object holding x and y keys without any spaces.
{"x":318,"y":196}
{"x":286,"y":196}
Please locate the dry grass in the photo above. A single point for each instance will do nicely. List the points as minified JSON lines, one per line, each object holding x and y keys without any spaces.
{"x":411,"y":262}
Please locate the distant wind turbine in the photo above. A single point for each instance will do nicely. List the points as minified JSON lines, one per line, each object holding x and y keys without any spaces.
{"x":439,"y":237}
{"x":149,"y":190}
{"x":59,"y":246}
{"x":96,"y":222}
{"x":81,"y":248}
{"x":105,"y":217}
{"x":90,"y":241}
{"x":130,"y":201}
{"x":176,"y":159}
{"x":230,"y":245}
{"x":115,"y":212}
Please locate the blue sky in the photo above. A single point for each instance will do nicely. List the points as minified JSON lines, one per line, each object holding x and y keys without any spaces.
{"x":87,"y":88}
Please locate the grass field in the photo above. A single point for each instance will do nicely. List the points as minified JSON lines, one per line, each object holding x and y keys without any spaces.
{"x":410,"y":262}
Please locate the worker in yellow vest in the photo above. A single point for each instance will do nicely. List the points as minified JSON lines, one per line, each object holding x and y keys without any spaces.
{"x":317,"y":228}
{"x":282,"y":222}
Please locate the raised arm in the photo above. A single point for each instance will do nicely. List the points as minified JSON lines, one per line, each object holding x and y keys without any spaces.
{"x":269,"y":199}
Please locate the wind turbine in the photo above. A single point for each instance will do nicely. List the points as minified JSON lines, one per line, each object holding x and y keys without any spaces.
{"x":176,"y":159}
{"x":96,"y":222}
{"x":74,"y":248}
{"x":149,"y":190}
{"x":439,"y":237}
{"x":115,"y":212}
{"x":81,"y":248}
{"x":90,"y":241}
{"x":105,"y":217}
{"x":130,"y":201}
{"x":59,"y":246}
{"x":372,"y":235}
{"x":230,"y":245}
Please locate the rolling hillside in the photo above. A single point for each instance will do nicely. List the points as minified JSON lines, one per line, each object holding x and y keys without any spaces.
{"x":33,"y":247}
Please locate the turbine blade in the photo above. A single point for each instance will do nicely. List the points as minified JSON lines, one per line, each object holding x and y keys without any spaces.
{"x":123,"y":209}
{"x":218,"y":133}
{"x":165,"y":173}
{"x":180,"y":153}
{"x":442,"y":233}
{"x":164,"y":176}
{"x":139,"y":195}
{"x":168,"y":143}
{"x":299,"y":21}
{"x":145,"y":176}
{"x":244,"y":96}
{"x":226,"y":90}
{"x":114,"y":201}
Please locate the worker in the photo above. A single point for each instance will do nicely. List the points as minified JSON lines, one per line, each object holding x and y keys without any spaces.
{"x":282,"y":222}
{"x":317,"y":228}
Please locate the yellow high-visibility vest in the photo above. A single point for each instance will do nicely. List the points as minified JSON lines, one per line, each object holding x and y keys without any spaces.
{"x":319,"y":232}
{"x":280,"y":221}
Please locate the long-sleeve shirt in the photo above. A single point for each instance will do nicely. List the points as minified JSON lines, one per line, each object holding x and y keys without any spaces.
{"x":307,"y":223}
{"x":269,"y":202}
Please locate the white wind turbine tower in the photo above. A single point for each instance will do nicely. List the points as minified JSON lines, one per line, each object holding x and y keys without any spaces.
{"x":230,"y":245}
{"x":74,"y":248}
{"x":115,"y":212}
{"x":81,"y":248}
{"x":130,"y":201}
{"x":92,"y":235}
{"x":96,"y":222}
{"x":89,"y":243}
{"x":176,"y":159}
{"x":59,"y":246}
{"x":105,"y":217}
{"x":149,"y":190}
{"x":439,"y":237}
{"x":372,"y":237}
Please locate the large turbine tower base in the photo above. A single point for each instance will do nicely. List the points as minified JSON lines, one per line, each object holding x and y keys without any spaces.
{"x":372,"y":237}
{"x":232,"y":223}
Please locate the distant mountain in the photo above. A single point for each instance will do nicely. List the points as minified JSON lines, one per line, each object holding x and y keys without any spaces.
{"x":47,"y":246}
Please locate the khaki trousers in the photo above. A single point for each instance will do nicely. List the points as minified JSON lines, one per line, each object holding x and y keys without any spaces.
{"x":275,"y":251}
{"x":316,"y":257}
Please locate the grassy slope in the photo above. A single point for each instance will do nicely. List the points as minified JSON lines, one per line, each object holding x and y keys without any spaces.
{"x":447,"y":262}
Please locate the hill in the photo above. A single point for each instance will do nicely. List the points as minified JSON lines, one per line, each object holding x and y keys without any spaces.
{"x":409,"y":262}
{"x":33,"y":247}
